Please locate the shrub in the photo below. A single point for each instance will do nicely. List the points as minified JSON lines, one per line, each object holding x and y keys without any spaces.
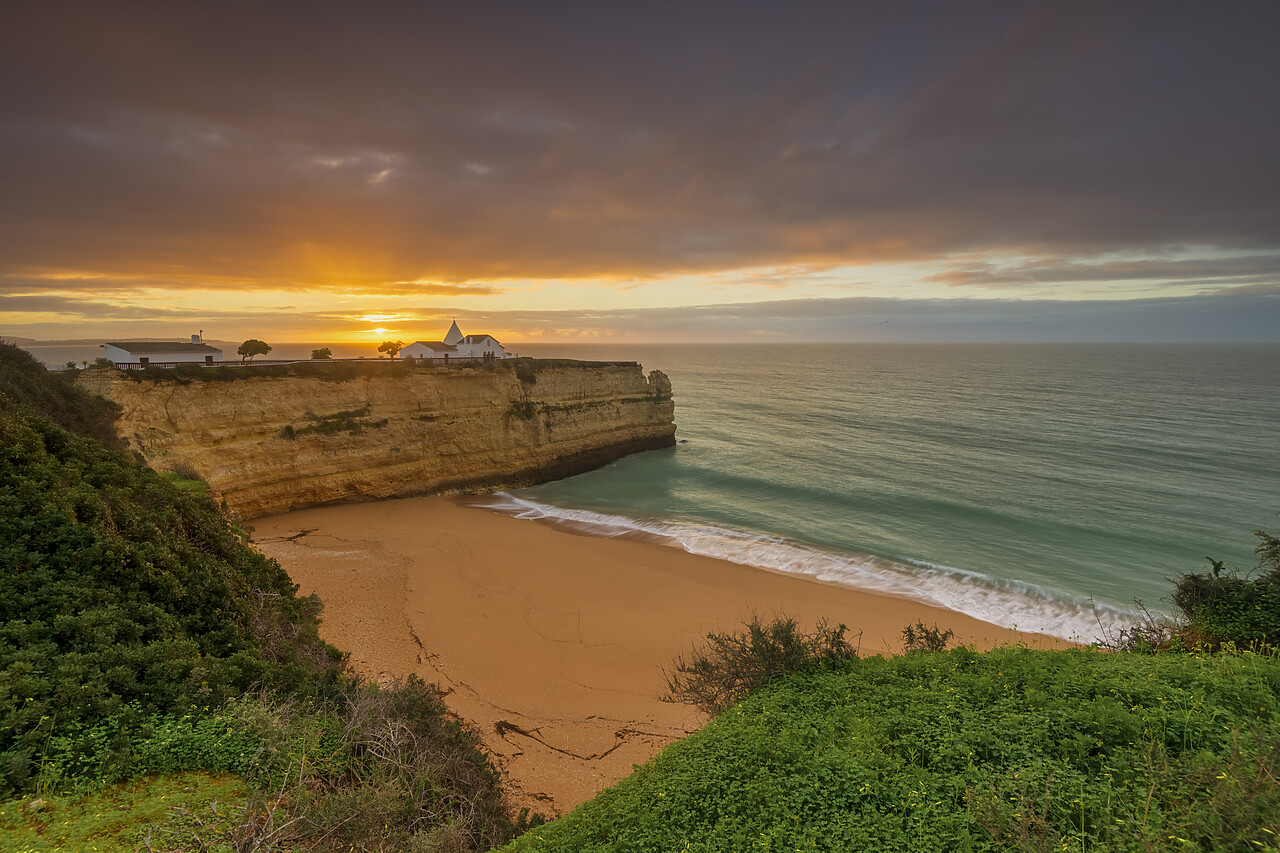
{"x":1217,"y":608}
{"x":412,"y":774}
{"x":378,"y":768}
{"x":1013,"y":749}
{"x":1225,"y":607}
{"x":723,"y":672}
{"x":354,"y":421}
{"x":140,"y":633}
{"x":28,"y":386}
{"x":526,"y":372}
{"x":1152,"y":633}
{"x":921,"y":638}
{"x":120,"y":590}
{"x":523,"y":409}
{"x":1234,"y":610}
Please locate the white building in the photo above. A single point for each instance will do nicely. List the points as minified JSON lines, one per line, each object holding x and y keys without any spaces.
{"x":147,"y":353}
{"x":458,"y":345}
{"x":429,"y":349}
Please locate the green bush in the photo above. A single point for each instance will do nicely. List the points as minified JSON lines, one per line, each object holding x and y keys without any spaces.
{"x":410,"y":777}
{"x":728,"y":667}
{"x":1014,"y":749}
{"x":526,"y":372}
{"x":354,"y":421}
{"x":921,"y":638}
{"x":1224,"y":607}
{"x":27,"y":386}
{"x":523,"y":409}
{"x":121,"y":590}
{"x":327,"y":370}
{"x":374,"y":768}
{"x":141,"y":634}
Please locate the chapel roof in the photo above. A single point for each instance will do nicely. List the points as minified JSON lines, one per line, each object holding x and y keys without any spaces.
{"x":153,"y":347}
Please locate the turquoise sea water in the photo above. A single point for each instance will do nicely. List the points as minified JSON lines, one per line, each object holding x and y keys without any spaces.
{"x":1020,"y":484}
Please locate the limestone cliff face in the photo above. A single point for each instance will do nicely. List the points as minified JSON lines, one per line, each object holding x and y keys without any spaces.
{"x":274,"y":443}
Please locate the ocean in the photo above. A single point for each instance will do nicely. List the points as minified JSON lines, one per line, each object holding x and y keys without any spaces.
{"x":1043,"y":487}
{"x":1039,"y":486}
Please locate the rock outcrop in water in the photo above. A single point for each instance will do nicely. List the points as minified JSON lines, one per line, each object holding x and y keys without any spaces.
{"x":319,"y":434}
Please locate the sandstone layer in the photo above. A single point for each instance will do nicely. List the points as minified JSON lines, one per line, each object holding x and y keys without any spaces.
{"x":333,"y":433}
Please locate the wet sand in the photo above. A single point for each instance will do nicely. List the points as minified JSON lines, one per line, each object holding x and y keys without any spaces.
{"x":551,"y":644}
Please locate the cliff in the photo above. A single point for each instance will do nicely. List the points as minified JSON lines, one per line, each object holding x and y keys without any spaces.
{"x":319,"y":433}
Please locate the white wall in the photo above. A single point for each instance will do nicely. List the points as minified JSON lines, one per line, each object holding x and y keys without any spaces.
{"x":478,"y":350}
{"x":119,"y":356}
{"x":416,"y":350}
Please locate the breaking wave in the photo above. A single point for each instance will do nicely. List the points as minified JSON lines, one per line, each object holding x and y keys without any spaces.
{"x":1006,"y":603}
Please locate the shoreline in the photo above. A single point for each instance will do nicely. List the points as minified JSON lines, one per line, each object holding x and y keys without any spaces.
{"x":550,"y":642}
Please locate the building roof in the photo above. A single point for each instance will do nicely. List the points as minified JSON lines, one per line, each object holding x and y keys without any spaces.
{"x":454,"y":335}
{"x":438,"y":346}
{"x":153,"y":347}
{"x":479,"y":339}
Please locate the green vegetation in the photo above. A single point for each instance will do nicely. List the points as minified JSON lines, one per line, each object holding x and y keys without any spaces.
{"x":123,"y":597}
{"x":252,"y":347}
{"x":332,"y":370}
{"x":526,"y":372}
{"x":523,"y":409}
{"x":1014,"y":749}
{"x":185,"y":482}
{"x":922,"y":638}
{"x":729,"y":667}
{"x":527,"y":369}
{"x":162,"y":813}
{"x":391,"y":348}
{"x":355,"y":421}
{"x":654,"y":396}
{"x":1228,"y":608}
{"x":140,"y":634}
{"x":145,"y":645}
{"x":327,"y":370}
{"x":27,"y":387}
{"x":323,"y":352}
{"x":537,"y":365}
{"x":1216,"y":608}
{"x":548,"y":408}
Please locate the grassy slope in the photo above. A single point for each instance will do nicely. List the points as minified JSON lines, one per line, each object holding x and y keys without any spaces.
{"x":121,"y":594}
{"x":120,"y":817}
{"x":1012,"y":749}
{"x":140,"y":634}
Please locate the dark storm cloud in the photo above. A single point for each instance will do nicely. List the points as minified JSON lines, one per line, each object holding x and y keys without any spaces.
{"x":315,"y":144}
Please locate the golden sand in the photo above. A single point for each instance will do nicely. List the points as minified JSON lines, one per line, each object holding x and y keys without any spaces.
{"x":551,"y":644}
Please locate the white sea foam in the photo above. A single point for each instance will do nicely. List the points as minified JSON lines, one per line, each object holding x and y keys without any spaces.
{"x":1006,"y":603}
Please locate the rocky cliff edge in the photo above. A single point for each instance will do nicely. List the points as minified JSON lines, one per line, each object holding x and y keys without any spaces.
{"x":319,"y":434}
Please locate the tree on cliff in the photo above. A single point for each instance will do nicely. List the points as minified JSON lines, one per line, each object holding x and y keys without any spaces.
{"x":391,"y":348}
{"x":252,"y":347}
{"x":323,"y":352}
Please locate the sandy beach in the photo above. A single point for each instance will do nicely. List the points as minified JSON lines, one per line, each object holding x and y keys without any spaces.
{"x":551,"y":644}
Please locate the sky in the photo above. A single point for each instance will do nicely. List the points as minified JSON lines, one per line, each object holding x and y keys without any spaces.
{"x":640,"y":172}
